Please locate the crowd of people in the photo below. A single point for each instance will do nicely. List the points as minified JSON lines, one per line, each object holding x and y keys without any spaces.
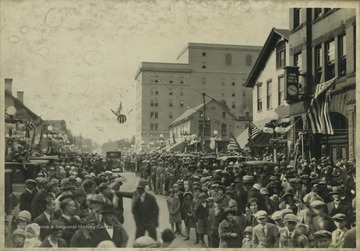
{"x":77,"y":202}
{"x":308,"y":204}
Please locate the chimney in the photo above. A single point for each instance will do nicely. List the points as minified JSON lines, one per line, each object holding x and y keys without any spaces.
{"x":20,"y":96}
{"x":8,"y":84}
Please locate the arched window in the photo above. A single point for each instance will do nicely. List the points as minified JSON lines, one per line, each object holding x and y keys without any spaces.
{"x":339,"y":123}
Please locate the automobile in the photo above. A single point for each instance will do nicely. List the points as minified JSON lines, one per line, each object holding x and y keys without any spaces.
{"x":113,"y":161}
{"x":224,"y":160}
{"x":256,"y":166}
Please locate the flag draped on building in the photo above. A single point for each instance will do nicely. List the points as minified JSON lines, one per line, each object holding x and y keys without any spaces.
{"x":318,"y":113}
{"x":233,"y":144}
{"x":253,"y":131}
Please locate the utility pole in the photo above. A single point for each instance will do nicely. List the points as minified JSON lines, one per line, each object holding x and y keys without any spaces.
{"x":203,"y":132}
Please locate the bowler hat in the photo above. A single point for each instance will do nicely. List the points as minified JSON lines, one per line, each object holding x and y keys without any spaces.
{"x":66,"y":196}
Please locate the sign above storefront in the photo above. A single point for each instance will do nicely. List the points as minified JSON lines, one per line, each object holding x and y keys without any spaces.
{"x":291,"y":76}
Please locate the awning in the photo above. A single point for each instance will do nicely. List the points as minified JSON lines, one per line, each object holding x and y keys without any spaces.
{"x":261,"y":140}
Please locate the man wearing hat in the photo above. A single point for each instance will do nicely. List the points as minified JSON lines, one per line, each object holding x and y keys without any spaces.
{"x":68,"y":219}
{"x":28,"y":195}
{"x":265,"y":234}
{"x":39,"y":202}
{"x":80,"y":199}
{"x":145,"y":210}
{"x":338,"y":235}
{"x":54,"y":240}
{"x":160,"y":172}
{"x":243,"y":195}
{"x":111,"y":228}
{"x":338,"y":205}
{"x":289,"y":236}
{"x":320,"y":219}
{"x":322,"y":239}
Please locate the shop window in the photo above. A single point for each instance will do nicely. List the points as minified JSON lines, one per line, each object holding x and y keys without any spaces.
{"x":268,"y":95}
{"x":330,"y":60}
{"x":342,"y":55}
{"x":318,"y":64}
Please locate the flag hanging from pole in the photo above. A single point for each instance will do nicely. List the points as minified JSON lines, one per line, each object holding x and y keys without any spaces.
{"x":32,"y":125}
{"x":233,"y":144}
{"x":253,"y":131}
{"x":318,"y":113}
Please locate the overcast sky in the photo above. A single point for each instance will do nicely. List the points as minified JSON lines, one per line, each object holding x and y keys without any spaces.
{"x":75,"y":60}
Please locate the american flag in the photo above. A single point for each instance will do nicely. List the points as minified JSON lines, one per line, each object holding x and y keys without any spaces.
{"x":318,"y":113}
{"x":32,"y":125}
{"x":233,"y":144}
{"x":253,"y":131}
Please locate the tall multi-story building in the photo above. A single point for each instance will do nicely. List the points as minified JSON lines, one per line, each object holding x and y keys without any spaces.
{"x":323,"y":46}
{"x":164,"y":91}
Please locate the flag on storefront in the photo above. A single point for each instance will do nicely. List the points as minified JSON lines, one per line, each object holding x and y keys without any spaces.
{"x":233,"y":144}
{"x":32,"y":125}
{"x":318,"y":113}
{"x":253,"y":131}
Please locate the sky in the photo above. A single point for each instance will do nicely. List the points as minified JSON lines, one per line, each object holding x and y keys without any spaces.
{"x":75,"y":59}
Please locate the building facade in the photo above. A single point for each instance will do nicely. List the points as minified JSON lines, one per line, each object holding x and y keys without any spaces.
{"x":323,"y":46}
{"x":164,"y":90}
{"x":267,"y":82}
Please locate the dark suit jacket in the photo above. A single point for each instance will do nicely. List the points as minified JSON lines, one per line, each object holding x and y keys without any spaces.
{"x":38,"y":205}
{"x":43,"y":222}
{"x":271,"y":240}
{"x":85,"y":238}
{"x":120,"y":237}
{"x":70,"y":228}
{"x":344,"y":208}
{"x":25,"y":200}
{"x":145,"y":213}
{"x":46,"y":243}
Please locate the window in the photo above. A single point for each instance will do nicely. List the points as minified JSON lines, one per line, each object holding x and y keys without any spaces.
{"x":207,"y":127}
{"x":182,"y":103}
{"x":297,"y":17}
{"x":203,"y":65}
{"x":233,"y":94}
{"x":317,"y":12}
{"x":342,"y":55}
{"x":156,"y":102}
{"x":248,"y":60}
{"x":318,"y":64}
{"x":156,"y":114}
{"x":223,"y":130}
{"x":203,"y":81}
{"x":181,"y":93}
{"x":171,"y":103}
{"x":153,"y":114}
{"x":330,"y":60}
{"x":233,"y":105}
{"x":233,"y":83}
{"x":201,"y":114}
{"x":228,"y":59}
{"x":224,"y":115}
{"x":151,"y":102}
{"x":298,"y":61}
{"x":259,"y":99}
{"x":204,"y":54}
{"x":156,"y":92}
{"x":223,"y":83}
{"x":281,"y":86}
{"x":181,"y":82}
{"x":153,"y":126}
{"x":171,"y":115}
{"x":171,"y":81}
{"x":280,"y":55}
{"x":244,"y":94}
{"x":156,"y":81}
{"x":268,"y":95}
{"x":170,"y":92}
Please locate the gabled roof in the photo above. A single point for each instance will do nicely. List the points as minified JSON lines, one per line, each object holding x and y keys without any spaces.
{"x":188,"y":113}
{"x":19,"y":103}
{"x":265,"y":53}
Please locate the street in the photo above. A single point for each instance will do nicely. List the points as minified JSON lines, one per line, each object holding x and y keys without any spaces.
{"x":130,"y":185}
